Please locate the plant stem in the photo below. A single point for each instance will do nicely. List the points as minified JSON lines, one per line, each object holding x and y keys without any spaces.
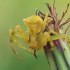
{"x":50,"y":58}
{"x":66,"y":51}
{"x":61,"y":62}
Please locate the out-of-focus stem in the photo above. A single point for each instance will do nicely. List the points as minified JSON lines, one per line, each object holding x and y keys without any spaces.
{"x":51,"y":61}
{"x":50,"y":58}
{"x":66,"y":51}
{"x":61,"y":63}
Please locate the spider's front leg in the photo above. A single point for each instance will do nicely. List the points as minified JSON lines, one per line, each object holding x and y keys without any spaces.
{"x":47,"y":38}
{"x":18,"y":32}
{"x":61,"y":36}
{"x":56,"y":36}
{"x":12,"y":39}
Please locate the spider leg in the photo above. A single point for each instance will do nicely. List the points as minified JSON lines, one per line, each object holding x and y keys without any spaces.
{"x":14,"y":50}
{"x":47,"y":38}
{"x":22,"y":47}
{"x":11,"y":44}
{"x":56,"y":36}
{"x":22,"y":34}
{"x":45,"y":22}
{"x":35,"y":54}
{"x":18,"y":32}
{"x":61,"y":36}
{"x":52,"y":32}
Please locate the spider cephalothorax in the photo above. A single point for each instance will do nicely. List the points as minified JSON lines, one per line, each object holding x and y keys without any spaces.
{"x":34,"y":24}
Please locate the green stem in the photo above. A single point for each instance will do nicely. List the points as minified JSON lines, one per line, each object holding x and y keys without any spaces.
{"x":50,"y":58}
{"x":51,"y":61}
{"x":66,"y":51}
{"x":61,"y":63}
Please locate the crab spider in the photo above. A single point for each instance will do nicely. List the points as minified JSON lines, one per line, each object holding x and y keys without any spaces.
{"x":36,"y":37}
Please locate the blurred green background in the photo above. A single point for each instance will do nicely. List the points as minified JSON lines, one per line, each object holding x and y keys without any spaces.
{"x":12,"y":13}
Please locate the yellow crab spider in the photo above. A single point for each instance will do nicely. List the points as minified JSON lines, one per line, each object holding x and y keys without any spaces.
{"x":34,"y":25}
{"x":36,"y":37}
